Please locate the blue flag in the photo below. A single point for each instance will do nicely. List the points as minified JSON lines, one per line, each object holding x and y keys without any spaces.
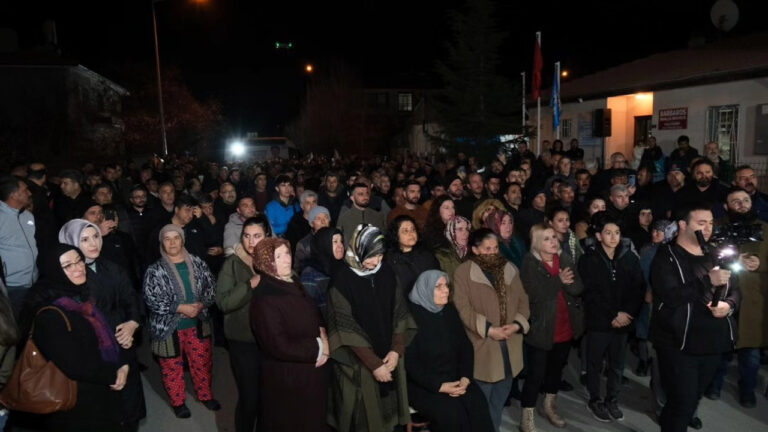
{"x":554,"y":101}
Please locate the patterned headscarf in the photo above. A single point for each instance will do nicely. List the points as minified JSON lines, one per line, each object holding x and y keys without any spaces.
{"x":450,"y":234}
{"x":367,"y":241}
{"x":72,"y":232}
{"x":264,"y":255}
{"x":493,"y":221}
{"x":170,"y":265}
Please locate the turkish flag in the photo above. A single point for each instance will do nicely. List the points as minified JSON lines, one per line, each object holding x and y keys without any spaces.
{"x":538,"y":63}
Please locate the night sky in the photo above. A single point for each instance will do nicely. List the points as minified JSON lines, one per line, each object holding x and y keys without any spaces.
{"x":225,"y":48}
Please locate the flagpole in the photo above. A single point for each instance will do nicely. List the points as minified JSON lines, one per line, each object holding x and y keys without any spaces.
{"x":557,"y":77}
{"x":538,"y":109}
{"x":522,"y":75}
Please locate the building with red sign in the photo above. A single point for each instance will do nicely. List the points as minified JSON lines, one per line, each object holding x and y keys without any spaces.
{"x":716,"y":92}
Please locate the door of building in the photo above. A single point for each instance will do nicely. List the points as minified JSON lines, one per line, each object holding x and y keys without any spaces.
{"x":642,"y":128}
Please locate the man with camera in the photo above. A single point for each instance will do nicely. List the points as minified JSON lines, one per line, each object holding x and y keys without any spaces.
{"x":753,"y":281}
{"x":691,"y":325}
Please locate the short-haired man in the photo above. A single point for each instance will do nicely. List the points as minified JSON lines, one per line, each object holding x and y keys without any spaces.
{"x":199,"y":238}
{"x":299,"y":225}
{"x":513,"y":198}
{"x":360,"y":212}
{"x":73,"y":201}
{"x":753,"y":280}
{"x":246,"y":208}
{"x":332,"y":195}
{"x":411,"y":207}
{"x":280,"y":210}
{"x":689,"y":331}
{"x":684,"y":154}
{"x":745,"y":178}
{"x":18,"y":249}
{"x":703,"y":188}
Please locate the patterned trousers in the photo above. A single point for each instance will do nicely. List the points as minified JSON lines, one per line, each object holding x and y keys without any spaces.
{"x":198,"y":353}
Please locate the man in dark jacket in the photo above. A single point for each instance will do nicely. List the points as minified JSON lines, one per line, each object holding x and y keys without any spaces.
{"x":688,"y":330}
{"x":613,"y":294}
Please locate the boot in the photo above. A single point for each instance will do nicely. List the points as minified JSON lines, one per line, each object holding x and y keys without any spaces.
{"x":550,"y":411}
{"x":526,"y":421}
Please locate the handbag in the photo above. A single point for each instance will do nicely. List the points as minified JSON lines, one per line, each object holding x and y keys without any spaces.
{"x":37,"y":385}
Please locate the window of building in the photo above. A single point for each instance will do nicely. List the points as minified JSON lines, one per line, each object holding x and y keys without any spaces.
{"x":405,"y":102}
{"x":723,"y":128}
{"x":566,"y":128}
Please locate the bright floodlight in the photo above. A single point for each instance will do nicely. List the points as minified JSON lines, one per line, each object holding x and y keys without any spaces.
{"x":237,"y":148}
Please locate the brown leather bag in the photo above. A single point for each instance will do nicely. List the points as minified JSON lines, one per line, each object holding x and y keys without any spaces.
{"x":37,"y":385}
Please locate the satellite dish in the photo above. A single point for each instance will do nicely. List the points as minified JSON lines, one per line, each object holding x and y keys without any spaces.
{"x":724,"y":15}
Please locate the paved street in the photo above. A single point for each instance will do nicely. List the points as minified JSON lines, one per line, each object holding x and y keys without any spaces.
{"x":723,"y":415}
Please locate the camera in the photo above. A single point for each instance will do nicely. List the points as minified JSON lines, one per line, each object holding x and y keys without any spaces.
{"x":724,"y":245}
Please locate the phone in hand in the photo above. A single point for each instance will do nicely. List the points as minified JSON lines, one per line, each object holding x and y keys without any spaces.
{"x":632,"y":180}
{"x":110,"y":215}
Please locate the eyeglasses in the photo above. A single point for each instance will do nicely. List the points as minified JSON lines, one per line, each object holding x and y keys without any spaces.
{"x":71,"y":266}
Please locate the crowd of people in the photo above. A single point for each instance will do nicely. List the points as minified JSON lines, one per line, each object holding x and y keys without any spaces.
{"x":356,"y":290}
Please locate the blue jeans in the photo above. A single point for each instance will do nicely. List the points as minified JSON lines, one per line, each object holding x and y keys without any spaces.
{"x":496,"y":393}
{"x":749,"y":365}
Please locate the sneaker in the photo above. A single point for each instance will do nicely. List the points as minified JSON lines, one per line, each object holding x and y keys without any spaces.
{"x":598,"y":410}
{"x":182,"y":411}
{"x":613,"y":409}
{"x":695,"y":423}
{"x":212,"y":404}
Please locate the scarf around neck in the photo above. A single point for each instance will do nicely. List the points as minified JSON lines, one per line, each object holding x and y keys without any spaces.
{"x":108,"y":347}
{"x":171,"y":266}
{"x":494,"y":264}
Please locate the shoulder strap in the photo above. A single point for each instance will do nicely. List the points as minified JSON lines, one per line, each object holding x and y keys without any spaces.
{"x":63,"y":315}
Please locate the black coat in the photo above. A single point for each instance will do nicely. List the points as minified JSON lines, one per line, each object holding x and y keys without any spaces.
{"x":611,"y":286}
{"x":286,"y":323}
{"x":117,"y":299}
{"x":681,"y":292}
{"x":408,"y":266}
{"x":441,"y":352}
{"x":119,"y":248}
{"x":77,"y":355}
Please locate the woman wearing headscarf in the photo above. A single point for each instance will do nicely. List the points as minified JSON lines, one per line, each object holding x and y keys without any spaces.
{"x":457,"y":233}
{"x":326,"y":253}
{"x":405,"y":253}
{"x":178,"y":289}
{"x":502,"y":223}
{"x":440,"y":360}
{"x":88,"y":354}
{"x":234,"y":291}
{"x":494,"y":308}
{"x":115,"y":297}
{"x":368,"y":328}
{"x":294,"y":345}
{"x":554,"y":287}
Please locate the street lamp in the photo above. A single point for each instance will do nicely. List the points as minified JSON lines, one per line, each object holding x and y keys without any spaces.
{"x":159,"y":80}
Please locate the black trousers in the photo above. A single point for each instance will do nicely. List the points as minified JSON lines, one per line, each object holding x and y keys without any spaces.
{"x":545,"y":371}
{"x":684,"y":378}
{"x":609,"y":346}
{"x":244,"y":360}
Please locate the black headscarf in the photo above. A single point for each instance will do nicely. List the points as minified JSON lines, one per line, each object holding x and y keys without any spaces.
{"x":321,"y":250}
{"x":53,"y":284}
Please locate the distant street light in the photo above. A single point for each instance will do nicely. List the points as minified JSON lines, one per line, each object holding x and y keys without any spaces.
{"x":564,"y":74}
{"x":309,"y":68}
